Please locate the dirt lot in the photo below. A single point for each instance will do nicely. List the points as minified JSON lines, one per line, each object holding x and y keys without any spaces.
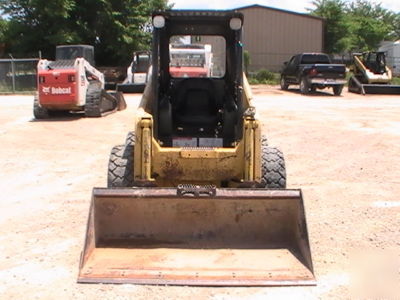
{"x":342,"y":151}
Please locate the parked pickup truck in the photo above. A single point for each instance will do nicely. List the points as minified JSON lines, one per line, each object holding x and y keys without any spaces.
{"x":313,"y":71}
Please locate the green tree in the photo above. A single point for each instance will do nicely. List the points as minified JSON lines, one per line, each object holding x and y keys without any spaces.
{"x":114,"y":27}
{"x":358,"y":25}
{"x":3,"y":34}
{"x":336,"y":26}
{"x":3,"y":30}
{"x":370,"y":24}
{"x":396,"y":27}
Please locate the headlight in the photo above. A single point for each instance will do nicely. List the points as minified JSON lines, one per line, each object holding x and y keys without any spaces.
{"x":235,"y":23}
{"x":158,"y":21}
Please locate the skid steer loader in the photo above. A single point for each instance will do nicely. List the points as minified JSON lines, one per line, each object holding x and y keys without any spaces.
{"x":72,"y":83}
{"x":195,"y":196}
{"x":371,"y":75}
{"x":136,"y":73}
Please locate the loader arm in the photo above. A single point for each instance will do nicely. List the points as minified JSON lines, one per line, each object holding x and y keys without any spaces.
{"x":90,"y":70}
{"x":369,"y":76}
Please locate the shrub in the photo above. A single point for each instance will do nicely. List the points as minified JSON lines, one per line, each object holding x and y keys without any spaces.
{"x":264,"y":76}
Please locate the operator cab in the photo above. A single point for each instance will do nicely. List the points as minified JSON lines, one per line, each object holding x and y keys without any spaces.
{"x":72,"y":52}
{"x":375,"y":62}
{"x":141,"y":62}
{"x":200,"y":78}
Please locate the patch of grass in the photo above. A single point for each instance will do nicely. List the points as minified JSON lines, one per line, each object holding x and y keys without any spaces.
{"x":396,"y":81}
{"x":264,"y":76}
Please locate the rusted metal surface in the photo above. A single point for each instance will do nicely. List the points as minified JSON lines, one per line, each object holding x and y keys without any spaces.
{"x":240,"y":237}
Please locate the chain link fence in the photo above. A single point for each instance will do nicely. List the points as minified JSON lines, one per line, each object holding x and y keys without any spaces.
{"x":18,"y":75}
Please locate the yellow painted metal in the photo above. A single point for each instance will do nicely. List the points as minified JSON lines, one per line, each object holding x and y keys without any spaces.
{"x":204,"y":153}
{"x":252,"y":139}
{"x":146,"y":152}
{"x":143,"y":155}
{"x":170,"y":166}
{"x":175,"y":165}
{"x":247,"y":94}
{"x":249,"y":151}
{"x":370,"y":76}
{"x":257,"y":151}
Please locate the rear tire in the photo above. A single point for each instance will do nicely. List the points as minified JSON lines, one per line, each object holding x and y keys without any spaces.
{"x":120,"y":167}
{"x":337,"y":90}
{"x":284,"y":84}
{"x":93,"y":100}
{"x":38,"y":111}
{"x":273,"y":172}
{"x":304,"y":86}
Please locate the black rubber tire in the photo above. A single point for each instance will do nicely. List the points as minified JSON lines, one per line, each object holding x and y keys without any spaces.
{"x":93,"y":100}
{"x":313,"y":88}
{"x":38,"y":111}
{"x":130,"y":139}
{"x":337,"y":90}
{"x":304,"y":86}
{"x":264,"y":141}
{"x":120,"y":167}
{"x":273,"y":172}
{"x":284,"y":84}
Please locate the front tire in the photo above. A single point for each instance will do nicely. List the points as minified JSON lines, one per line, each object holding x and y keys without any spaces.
{"x":120,"y":167}
{"x":130,"y":139}
{"x":273,"y":172}
{"x":304,"y":86}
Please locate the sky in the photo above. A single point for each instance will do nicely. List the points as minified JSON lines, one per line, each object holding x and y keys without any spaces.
{"x":296,"y":6}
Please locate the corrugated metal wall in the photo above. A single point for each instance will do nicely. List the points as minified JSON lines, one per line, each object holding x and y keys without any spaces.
{"x":272,"y":36}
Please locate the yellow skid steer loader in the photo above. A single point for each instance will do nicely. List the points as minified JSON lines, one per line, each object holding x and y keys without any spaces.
{"x":195,"y":195}
{"x":371,"y":75}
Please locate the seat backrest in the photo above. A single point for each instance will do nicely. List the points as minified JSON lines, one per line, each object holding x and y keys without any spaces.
{"x":195,"y":96}
{"x":197,"y":102}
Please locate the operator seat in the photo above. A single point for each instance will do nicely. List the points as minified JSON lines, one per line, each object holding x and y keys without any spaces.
{"x":196,"y":105}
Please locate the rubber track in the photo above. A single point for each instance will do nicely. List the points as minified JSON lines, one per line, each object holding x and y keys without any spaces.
{"x":93,"y":101}
{"x":38,"y":111}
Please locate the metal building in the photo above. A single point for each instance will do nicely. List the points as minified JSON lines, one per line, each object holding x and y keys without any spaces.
{"x":273,"y":35}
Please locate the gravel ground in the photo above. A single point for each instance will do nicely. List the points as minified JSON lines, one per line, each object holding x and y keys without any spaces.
{"x":343,"y":152}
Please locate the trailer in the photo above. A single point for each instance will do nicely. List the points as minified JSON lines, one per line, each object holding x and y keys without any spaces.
{"x":392,"y":52}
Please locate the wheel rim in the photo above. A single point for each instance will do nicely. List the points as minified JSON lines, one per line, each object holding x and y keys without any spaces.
{"x":282,"y":83}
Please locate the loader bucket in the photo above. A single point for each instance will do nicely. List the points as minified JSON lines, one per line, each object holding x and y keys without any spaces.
{"x":131,"y":87}
{"x":112,"y":101}
{"x":384,"y":89}
{"x":356,"y":86}
{"x":232,"y":237}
